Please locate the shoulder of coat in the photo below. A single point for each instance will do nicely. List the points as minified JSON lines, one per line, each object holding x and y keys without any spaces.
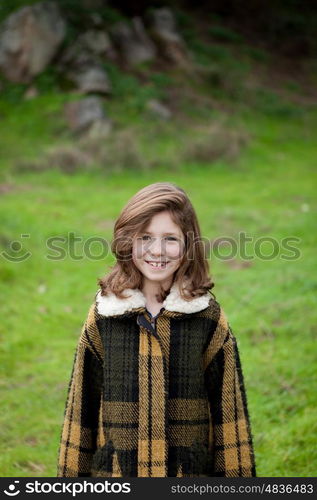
{"x":220,"y":333}
{"x":213,"y":311}
{"x":90,"y":336}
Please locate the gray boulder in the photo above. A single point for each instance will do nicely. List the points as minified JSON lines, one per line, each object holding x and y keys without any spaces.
{"x":97,"y":41}
{"x":158,"y":109}
{"x":82,"y":62}
{"x":31,"y":93}
{"x":164,"y":32}
{"x":91,"y":79}
{"x":67,"y":158}
{"x":29,"y":39}
{"x":133,"y":42}
{"x":80,"y":115}
{"x":90,"y":46}
{"x":99,"y":130}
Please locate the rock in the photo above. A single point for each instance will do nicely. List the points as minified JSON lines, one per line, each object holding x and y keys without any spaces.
{"x":158,"y":109}
{"x":87,"y":48}
{"x":164,"y":24}
{"x":67,"y":158}
{"x":99,"y":130}
{"x":96,"y":19}
{"x":80,"y":115}
{"x":29,"y":39}
{"x":91,"y":79}
{"x":82,"y":62}
{"x":31,"y":93}
{"x":133,"y":42}
{"x":164,"y":32}
{"x":97,"y":41}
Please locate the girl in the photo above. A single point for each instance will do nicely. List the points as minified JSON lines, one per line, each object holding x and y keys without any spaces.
{"x":156,"y":388}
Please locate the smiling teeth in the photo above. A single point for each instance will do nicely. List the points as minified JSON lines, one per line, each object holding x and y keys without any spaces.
{"x":158,"y":264}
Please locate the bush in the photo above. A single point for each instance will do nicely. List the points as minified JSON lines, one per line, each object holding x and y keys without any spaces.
{"x":270,"y":103}
{"x":215,"y":143}
{"x":225,"y":34}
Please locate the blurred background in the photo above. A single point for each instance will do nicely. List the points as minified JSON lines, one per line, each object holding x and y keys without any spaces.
{"x":97,"y":100}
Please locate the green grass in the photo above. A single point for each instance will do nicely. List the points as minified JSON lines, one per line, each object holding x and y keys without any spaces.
{"x":269,"y":190}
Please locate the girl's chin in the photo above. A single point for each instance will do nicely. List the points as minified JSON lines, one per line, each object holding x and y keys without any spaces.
{"x":158,"y":274}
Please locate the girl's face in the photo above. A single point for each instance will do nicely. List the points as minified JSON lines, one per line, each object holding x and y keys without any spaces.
{"x":157,"y":252}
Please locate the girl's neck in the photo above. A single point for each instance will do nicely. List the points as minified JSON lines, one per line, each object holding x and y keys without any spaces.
{"x":152,"y":290}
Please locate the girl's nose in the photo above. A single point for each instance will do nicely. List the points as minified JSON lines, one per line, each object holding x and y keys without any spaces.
{"x":155,"y":247}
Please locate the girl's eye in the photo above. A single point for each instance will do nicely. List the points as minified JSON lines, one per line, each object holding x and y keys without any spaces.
{"x":147,"y":236}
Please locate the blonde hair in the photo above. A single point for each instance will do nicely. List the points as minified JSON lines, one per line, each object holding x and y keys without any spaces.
{"x":192,"y":275}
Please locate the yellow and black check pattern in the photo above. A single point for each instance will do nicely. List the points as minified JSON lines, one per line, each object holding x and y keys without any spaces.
{"x":146,"y":402}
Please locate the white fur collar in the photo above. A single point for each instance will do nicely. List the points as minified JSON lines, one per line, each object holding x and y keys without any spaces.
{"x":110,"y":305}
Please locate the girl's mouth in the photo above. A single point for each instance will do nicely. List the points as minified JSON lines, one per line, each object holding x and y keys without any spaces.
{"x":157,"y":265}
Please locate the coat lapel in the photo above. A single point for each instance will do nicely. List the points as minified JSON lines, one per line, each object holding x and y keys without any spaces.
{"x":134,"y":301}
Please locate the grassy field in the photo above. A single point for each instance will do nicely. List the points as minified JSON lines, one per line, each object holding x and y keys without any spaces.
{"x":265,"y":189}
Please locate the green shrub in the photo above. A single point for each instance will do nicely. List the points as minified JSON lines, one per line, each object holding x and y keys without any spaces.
{"x":128,"y":87}
{"x":11,"y":92}
{"x":270,"y":103}
{"x":256,"y":53}
{"x":48,"y":80}
{"x":205,"y":53}
{"x":225,"y":34}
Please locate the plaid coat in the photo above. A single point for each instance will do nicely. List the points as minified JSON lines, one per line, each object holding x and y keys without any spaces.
{"x":156,"y":402}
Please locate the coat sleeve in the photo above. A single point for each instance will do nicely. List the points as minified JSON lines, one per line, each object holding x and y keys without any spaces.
{"x":81,"y":415}
{"x":232,"y":446}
